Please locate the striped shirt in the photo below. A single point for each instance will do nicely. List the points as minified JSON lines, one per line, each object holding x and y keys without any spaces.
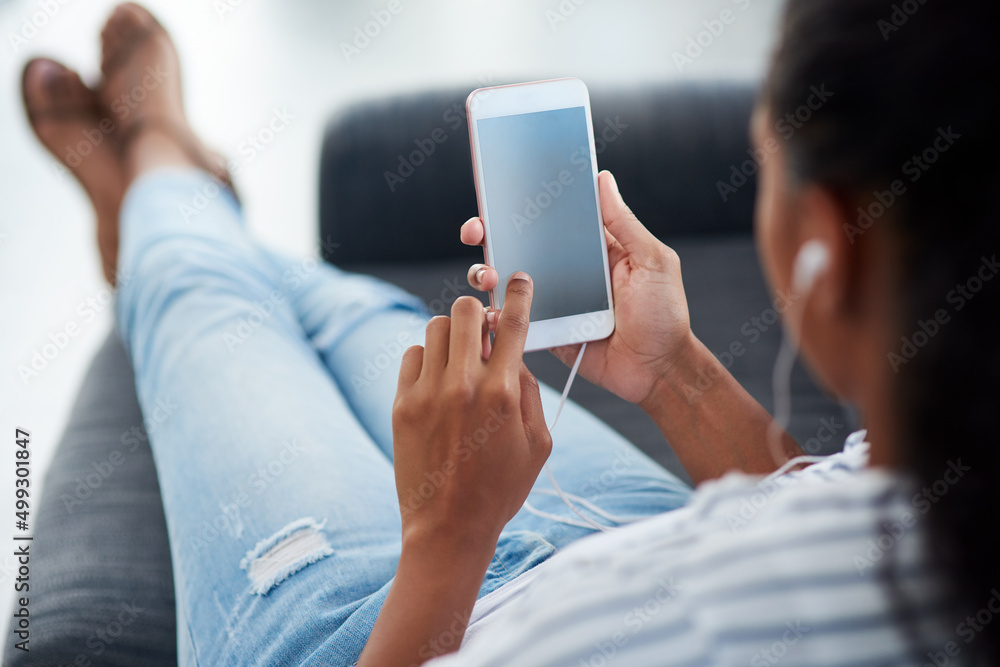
{"x":824,"y":566}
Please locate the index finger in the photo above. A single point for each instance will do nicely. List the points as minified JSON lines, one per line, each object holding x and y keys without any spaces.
{"x":512,"y":324}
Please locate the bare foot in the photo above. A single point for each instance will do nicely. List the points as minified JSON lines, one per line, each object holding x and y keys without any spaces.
{"x":142,"y":88}
{"x":69,"y":120}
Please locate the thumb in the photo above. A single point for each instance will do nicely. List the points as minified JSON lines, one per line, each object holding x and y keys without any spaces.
{"x":619,"y":218}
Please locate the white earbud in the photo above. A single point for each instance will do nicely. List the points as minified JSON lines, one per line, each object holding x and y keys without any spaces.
{"x":813,"y":257}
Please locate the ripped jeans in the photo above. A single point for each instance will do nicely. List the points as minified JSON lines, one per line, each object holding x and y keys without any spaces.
{"x":275,"y":457}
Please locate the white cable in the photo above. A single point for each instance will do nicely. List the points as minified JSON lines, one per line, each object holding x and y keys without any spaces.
{"x":555,"y":517}
{"x":781,"y":381}
{"x":587,"y":521}
{"x":791,"y":463}
{"x":815,"y":256}
{"x":593,"y":524}
{"x":579,"y":500}
{"x":569,"y":383}
{"x":804,"y":275}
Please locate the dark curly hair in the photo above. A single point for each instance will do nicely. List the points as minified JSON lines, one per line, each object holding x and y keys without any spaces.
{"x":915,"y":103}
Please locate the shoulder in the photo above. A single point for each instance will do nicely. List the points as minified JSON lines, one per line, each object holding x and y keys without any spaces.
{"x":797,"y":562}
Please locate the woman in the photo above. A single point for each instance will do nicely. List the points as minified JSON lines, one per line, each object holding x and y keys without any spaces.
{"x":873,"y":556}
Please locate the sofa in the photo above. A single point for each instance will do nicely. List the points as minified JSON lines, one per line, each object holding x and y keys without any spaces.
{"x":395,"y":185}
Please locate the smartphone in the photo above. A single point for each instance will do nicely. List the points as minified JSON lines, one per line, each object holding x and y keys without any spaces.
{"x":535,"y":171}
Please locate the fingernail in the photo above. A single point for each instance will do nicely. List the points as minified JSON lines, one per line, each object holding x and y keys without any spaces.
{"x":479,"y":275}
{"x":520,"y":275}
{"x":491,"y":317}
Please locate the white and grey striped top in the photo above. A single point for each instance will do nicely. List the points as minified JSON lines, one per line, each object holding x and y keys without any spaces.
{"x":825,"y":566}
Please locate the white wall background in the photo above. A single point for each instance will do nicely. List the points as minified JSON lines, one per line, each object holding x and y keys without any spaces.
{"x":244,"y":58}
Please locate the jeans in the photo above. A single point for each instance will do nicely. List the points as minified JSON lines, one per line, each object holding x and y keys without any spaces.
{"x":267,"y":386}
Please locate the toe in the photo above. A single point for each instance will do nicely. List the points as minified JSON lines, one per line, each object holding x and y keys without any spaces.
{"x":127,"y":23}
{"x":36,"y":82}
{"x":130,"y":17}
{"x":137,"y":13}
{"x":110,"y":43}
{"x":49,"y":86}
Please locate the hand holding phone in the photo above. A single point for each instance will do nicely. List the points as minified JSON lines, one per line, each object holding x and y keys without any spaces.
{"x":652,"y":326}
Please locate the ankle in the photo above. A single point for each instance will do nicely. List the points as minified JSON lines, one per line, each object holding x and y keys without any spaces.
{"x":154,"y":150}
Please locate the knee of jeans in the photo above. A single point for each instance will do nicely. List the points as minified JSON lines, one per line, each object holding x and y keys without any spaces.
{"x":169,"y":269}
{"x":179,"y":254}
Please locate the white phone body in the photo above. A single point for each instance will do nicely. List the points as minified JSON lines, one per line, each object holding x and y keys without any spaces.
{"x":535,"y":170}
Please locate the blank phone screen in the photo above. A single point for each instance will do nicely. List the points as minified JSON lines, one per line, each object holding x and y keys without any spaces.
{"x":542,"y":209}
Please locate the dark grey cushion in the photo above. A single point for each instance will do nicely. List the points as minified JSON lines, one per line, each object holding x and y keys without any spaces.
{"x":102,"y":589}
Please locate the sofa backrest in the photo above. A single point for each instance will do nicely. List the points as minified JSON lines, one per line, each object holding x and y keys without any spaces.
{"x":669,"y":146}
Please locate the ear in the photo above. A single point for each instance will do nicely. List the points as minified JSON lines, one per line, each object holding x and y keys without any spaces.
{"x":824,"y":217}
